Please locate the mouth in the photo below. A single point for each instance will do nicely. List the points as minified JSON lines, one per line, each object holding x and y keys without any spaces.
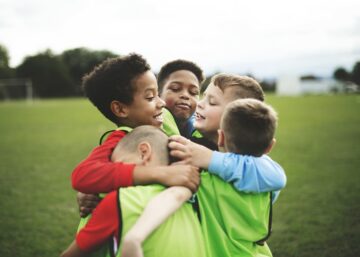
{"x":159,"y":117}
{"x":198,"y":116}
{"x":183,"y":106}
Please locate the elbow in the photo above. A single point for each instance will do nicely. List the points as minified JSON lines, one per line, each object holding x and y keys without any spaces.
{"x":74,"y":181}
{"x":281,"y":182}
{"x":180,"y":194}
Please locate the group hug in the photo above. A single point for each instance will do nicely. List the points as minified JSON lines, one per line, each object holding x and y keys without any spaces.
{"x":185,"y":172}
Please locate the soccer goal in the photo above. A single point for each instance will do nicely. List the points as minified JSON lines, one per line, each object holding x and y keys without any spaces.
{"x":11,"y":89}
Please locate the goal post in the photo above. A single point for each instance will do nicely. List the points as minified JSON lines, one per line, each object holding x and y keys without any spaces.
{"x":16,"y":88}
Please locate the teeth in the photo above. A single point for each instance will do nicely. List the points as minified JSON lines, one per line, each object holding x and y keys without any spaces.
{"x":159,"y":117}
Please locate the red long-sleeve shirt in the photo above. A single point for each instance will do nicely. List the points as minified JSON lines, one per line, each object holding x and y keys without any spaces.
{"x":97,"y":174}
{"x":103,"y":225}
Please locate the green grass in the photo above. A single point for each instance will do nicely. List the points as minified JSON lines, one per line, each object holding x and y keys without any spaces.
{"x":318,"y":144}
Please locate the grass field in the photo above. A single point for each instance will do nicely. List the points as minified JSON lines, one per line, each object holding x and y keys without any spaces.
{"x":318,"y":144}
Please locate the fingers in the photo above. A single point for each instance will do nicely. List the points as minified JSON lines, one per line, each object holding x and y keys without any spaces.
{"x":83,"y":211}
{"x":180,"y":155}
{"x":87,"y":202}
{"x":179,"y":139}
{"x":177,"y":146}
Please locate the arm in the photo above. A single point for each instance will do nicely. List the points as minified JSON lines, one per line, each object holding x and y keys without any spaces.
{"x":103,"y":224}
{"x":74,"y":251}
{"x":246,"y":173}
{"x":156,"y":212}
{"x":97,"y":174}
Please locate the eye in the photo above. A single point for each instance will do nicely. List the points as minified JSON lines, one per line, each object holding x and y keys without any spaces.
{"x":175,"y":88}
{"x":194,"y":92}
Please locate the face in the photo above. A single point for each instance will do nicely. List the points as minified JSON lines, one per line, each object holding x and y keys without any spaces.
{"x":146,"y":108}
{"x":209,"y":111}
{"x":181,"y":93}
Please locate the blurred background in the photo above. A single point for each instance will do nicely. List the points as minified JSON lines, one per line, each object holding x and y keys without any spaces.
{"x":305,"y":54}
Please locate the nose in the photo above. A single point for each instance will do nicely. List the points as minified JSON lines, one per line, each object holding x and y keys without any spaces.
{"x":160,"y":103}
{"x":185,"y":95}
{"x":200,"y":104}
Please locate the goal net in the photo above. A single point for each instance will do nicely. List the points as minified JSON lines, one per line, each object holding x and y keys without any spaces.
{"x":16,"y":89}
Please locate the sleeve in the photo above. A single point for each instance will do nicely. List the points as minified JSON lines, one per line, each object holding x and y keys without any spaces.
{"x":103,"y":224}
{"x":248,"y":173}
{"x":97,"y":174}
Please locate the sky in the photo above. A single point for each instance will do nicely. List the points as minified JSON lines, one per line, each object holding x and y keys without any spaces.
{"x":264,"y":38}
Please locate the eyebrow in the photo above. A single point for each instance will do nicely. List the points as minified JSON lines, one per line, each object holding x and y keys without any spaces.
{"x":181,"y":83}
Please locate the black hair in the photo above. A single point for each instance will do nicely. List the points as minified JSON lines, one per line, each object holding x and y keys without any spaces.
{"x":113,"y":80}
{"x":177,"y":65}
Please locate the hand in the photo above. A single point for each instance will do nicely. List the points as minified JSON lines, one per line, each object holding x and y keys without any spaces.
{"x":87,"y":203}
{"x":131,"y":248}
{"x":189,"y":152}
{"x":181,"y":175}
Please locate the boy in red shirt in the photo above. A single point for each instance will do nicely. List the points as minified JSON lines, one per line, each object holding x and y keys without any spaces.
{"x":125,"y":91}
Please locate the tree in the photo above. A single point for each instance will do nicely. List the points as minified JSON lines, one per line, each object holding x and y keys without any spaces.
{"x":5,"y":70}
{"x":355,"y":74}
{"x":80,"y":61}
{"x":49,"y":75}
{"x":341,"y":74}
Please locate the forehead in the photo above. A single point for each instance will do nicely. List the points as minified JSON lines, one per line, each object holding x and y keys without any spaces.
{"x":145,"y":81}
{"x":226,"y":96}
{"x":183,"y":77}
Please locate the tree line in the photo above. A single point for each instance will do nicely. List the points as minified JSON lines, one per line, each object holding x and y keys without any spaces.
{"x":60,"y":75}
{"x":54,"y":75}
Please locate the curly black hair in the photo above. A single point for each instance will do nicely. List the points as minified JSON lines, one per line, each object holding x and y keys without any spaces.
{"x":112,"y":80}
{"x":177,"y":65}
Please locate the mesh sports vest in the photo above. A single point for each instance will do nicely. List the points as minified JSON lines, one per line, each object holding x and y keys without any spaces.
{"x":232,"y":221}
{"x":179,"y":236}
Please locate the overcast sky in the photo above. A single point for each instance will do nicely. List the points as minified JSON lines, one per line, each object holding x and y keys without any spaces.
{"x":266,"y":38}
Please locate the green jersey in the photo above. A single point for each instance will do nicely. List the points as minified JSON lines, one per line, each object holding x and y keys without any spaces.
{"x":179,"y":236}
{"x":232,"y":221}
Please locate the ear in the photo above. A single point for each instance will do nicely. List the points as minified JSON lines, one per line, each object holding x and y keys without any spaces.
{"x":145,"y":152}
{"x":271,"y":145}
{"x":119,"y":109}
{"x":221,"y":138}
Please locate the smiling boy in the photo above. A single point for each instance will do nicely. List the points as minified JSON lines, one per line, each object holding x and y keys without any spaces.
{"x":125,"y":91}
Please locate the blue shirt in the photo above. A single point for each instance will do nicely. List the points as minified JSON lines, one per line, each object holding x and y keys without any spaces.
{"x":248,"y":173}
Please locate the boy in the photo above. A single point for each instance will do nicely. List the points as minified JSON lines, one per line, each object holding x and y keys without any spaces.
{"x":247,"y":128}
{"x":238,"y":227}
{"x":145,"y":146}
{"x":125,"y":91}
{"x":179,"y":86}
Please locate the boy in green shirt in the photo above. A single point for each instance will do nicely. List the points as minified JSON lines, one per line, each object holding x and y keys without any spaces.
{"x":234,"y":223}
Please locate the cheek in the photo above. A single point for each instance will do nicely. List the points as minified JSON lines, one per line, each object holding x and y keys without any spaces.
{"x":169,"y":102}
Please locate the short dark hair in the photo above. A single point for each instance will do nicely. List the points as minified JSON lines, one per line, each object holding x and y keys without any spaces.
{"x":177,"y":65}
{"x":244,"y":86}
{"x":113,"y":80}
{"x":249,"y":126}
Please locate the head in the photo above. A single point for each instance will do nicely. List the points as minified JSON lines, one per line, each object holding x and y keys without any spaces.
{"x":125,"y":91}
{"x":179,"y":86}
{"x":144,"y":145}
{"x":248,"y":127}
{"x":223,"y":89}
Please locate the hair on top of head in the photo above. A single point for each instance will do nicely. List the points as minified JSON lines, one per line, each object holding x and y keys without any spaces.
{"x":242,"y":86}
{"x":177,"y":65}
{"x":249,"y":126}
{"x":113,"y":80}
{"x":157,"y":139}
